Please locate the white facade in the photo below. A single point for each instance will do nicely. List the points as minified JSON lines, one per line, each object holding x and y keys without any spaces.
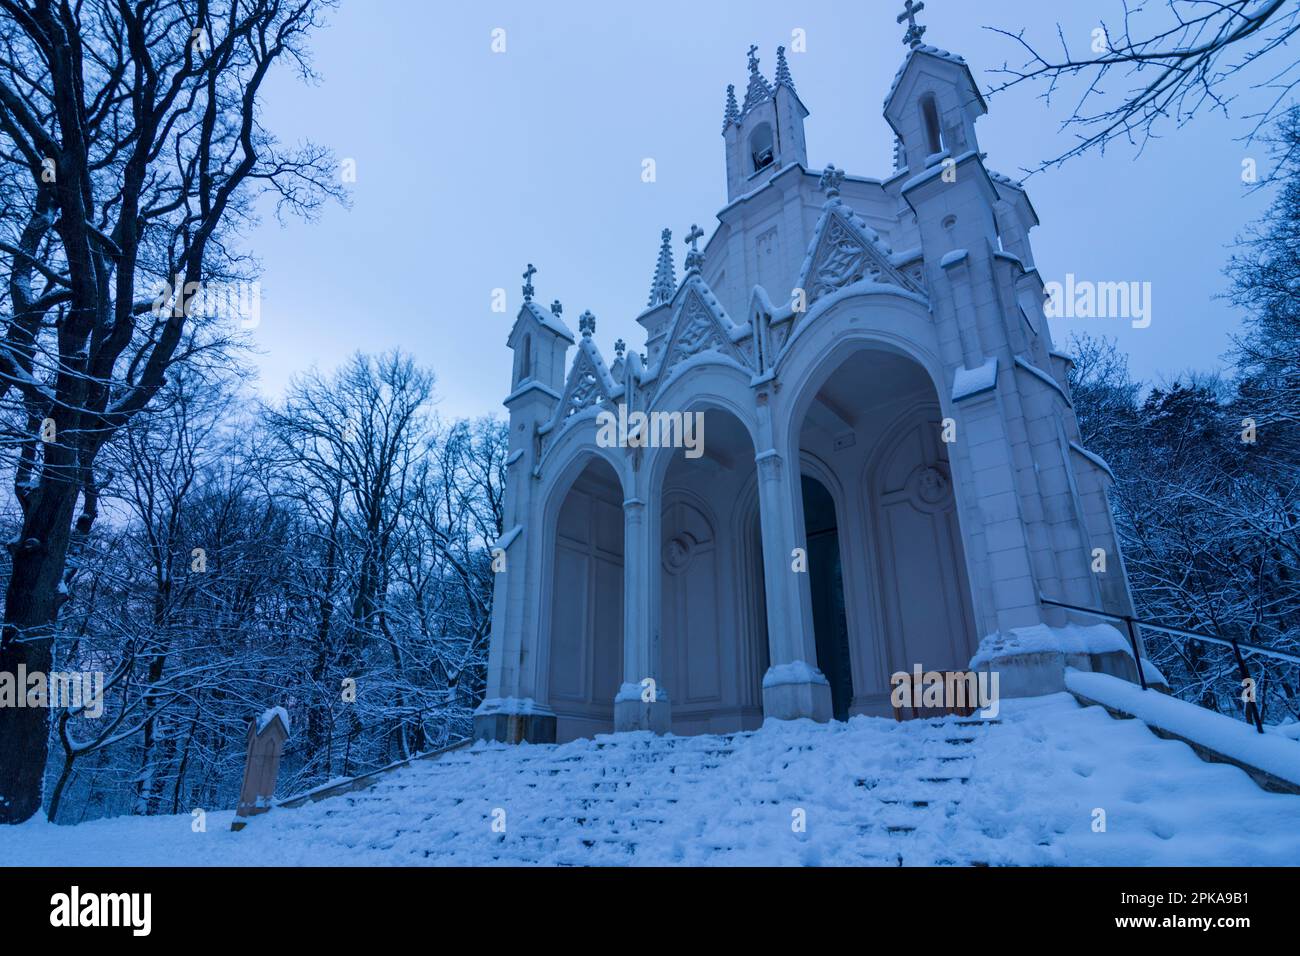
{"x":879,"y":393}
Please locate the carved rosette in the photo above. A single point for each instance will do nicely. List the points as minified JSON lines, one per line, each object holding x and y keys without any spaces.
{"x":929,"y":489}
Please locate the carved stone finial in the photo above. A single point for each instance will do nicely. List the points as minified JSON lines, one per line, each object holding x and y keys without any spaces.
{"x":620,"y":347}
{"x":831,"y":180}
{"x":556,"y":308}
{"x":753,"y":58}
{"x":731,"y":114}
{"x":528,"y":282}
{"x":783,"y":77}
{"x":914,"y":30}
{"x":664,"y":283}
{"x":587,"y":324}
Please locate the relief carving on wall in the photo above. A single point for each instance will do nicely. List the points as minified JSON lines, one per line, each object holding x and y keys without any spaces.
{"x":845,"y":256}
{"x":586,"y":391}
{"x":929,"y":489}
{"x":677,"y":552}
{"x":842,"y":260}
{"x":699,"y":331}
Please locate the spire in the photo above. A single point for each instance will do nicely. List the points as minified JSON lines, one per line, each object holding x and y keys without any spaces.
{"x":665,"y":280}
{"x":783,"y":77}
{"x":914,"y":31}
{"x":694,"y":258}
{"x":587,"y":324}
{"x":758,"y":91}
{"x":732,"y":112}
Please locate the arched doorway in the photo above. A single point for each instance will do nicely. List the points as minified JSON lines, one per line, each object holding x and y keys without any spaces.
{"x":826,"y":584}
{"x":873,"y":424}
{"x":585,"y":648}
{"x":711,"y":615}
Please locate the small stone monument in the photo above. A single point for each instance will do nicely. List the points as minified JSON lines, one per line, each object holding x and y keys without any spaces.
{"x":266,"y":737}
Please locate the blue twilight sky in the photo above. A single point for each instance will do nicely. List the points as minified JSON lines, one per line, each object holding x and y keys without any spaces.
{"x":471,"y":164}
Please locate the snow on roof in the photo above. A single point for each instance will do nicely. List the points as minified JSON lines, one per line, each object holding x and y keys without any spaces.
{"x":269,"y":715}
{"x":923,"y":48}
{"x":549,"y":320}
{"x":1005,"y":180}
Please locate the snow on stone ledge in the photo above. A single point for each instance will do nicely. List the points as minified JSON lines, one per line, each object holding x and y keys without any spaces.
{"x":1275,"y":754}
{"x":796,"y":672}
{"x":514,"y":706}
{"x":1042,"y":639}
{"x":972,"y":381}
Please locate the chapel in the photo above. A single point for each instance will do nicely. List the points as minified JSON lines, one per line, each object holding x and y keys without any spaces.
{"x":889,"y":467}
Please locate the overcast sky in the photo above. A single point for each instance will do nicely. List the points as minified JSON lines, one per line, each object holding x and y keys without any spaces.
{"x":471,"y":164}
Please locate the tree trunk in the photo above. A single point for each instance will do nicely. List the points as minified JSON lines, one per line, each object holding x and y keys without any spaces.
{"x":31,"y":606}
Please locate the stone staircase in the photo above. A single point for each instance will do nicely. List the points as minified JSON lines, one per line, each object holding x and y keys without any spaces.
{"x":885,"y":791}
{"x":1026,"y":789}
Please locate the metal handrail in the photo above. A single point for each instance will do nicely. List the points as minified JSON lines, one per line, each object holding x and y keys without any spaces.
{"x":1132,"y":623}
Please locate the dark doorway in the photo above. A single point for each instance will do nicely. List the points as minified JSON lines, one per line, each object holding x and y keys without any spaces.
{"x":826,"y":582}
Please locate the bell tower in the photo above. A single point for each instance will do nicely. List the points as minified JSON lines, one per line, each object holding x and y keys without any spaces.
{"x":764,"y":134}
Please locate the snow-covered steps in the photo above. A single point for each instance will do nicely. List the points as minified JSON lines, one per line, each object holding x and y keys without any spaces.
{"x":1051,"y":783}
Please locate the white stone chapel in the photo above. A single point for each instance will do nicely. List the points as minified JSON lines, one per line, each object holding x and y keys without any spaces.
{"x":889,"y":467}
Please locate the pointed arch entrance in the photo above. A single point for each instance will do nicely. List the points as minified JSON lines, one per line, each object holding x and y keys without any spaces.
{"x":871,"y":423}
{"x":585,"y":613}
{"x":711,"y":620}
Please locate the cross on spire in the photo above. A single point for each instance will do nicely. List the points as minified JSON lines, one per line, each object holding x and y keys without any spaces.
{"x":694,"y":258}
{"x":914,"y":31}
{"x":528,"y":282}
{"x":753,"y":58}
{"x":830,"y":181}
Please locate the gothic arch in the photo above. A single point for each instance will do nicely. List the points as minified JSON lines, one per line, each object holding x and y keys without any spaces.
{"x":580,"y":611}
{"x":895,"y":483}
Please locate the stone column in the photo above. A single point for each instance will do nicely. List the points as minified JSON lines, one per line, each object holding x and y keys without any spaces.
{"x":793,"y":687}
{"x":642,"y":702}
{"x":510,"y":712}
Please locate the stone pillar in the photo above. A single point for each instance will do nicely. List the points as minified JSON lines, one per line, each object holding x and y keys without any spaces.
{"x":793,"y":687}
{"x":640,"y":706}
{"x":510,"y":713}
{"x":266,"y":737}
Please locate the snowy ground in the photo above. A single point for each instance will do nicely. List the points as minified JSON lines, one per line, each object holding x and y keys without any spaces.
{"x":872,"y":792}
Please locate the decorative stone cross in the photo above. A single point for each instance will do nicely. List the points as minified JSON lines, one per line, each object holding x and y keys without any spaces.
{"x":914,"y":31}
{"x":830,"y":181}
{"x":528,"y":282}
{"x":587,"y":324}
{"x":753,"y":58}
{"x":694,"y":258}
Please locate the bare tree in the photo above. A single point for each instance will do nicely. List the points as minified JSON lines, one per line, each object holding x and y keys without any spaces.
{"x":1162,"y":64}
{"x":131,"y":151}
